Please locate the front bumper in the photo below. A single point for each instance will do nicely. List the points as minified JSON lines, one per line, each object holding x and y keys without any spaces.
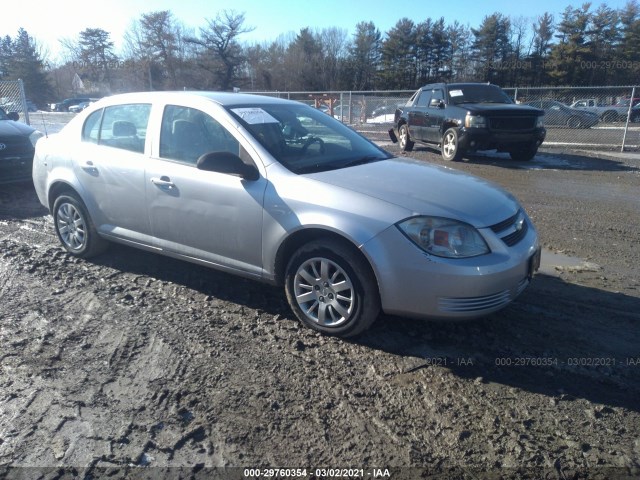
{"x":415,"y":284}
{"x":486,"y":139}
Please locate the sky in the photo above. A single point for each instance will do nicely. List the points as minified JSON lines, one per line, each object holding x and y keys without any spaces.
{"x":65,"y":19}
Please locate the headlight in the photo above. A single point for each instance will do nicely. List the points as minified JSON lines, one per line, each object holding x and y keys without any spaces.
{"x":35,"y":136}
{"x":475,"y":121}
{"x":444,"y":237}
{"x":540,"y":121}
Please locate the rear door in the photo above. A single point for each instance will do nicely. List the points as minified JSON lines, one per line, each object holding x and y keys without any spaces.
{"x":110,"y":165}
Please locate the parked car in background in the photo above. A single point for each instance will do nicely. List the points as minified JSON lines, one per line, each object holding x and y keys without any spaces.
{"x":17,"y":142}
{"x":383,"y":114}
{"x":607,"y":113}
{"x":635,"y":114}
{"x":346,"y":113}
{"x":467,"y":117}
{"x":79,"y":107}
{"x":277,"y":191}
{"x":64,"y":105}
{"x":559,"y":114}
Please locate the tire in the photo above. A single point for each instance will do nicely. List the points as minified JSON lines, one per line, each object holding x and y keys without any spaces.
{"x":523,"y":155}
{"x":331,"y":289}
{"x":609,"y":116}
{"x":450,"y":147}
{"x":74,"y":227}
{"x":406,"y":145}
{"x":574,"y":122}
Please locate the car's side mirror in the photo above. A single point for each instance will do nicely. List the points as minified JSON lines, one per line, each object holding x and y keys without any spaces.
{"x":229,"y":163}
{"x":15,"y":116}
{"x":436,"y":103}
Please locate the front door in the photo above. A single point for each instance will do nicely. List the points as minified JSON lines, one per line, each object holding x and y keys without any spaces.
{"x":209,"y":216}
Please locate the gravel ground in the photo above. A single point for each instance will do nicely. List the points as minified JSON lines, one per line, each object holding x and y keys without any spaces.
{"x":134,"y":365}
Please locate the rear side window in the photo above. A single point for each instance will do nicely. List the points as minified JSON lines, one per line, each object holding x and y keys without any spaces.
{"x":91,"y":128}
{"x":119,"y":126}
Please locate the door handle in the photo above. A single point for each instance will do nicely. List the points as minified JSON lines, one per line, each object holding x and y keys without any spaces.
{"x":164,"y":182}
{"x":89,"y":168}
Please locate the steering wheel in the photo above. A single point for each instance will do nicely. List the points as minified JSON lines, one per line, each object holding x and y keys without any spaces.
{"x":310,"y":141}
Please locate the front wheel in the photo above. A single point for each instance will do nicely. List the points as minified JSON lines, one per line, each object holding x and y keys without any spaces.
{"x":74,"y":227}
{"x":331,"y":288}
{"x":450,"y":146}
{"x":406,"y":145}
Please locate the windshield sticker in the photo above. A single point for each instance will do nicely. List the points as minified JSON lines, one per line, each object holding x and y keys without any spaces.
{"x":456,"y":93}
{"x":254,"y":115}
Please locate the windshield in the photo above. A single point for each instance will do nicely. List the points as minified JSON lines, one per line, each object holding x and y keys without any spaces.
{"x":304,"y":139}
{"x":481,"y":93}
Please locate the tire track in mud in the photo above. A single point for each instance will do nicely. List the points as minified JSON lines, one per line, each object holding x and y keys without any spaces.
{"x":131,"y":360}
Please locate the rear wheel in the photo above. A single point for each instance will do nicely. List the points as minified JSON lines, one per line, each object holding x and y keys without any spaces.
{"x":406,"y":145}
{"x":450,"y":146}
{"x":609,"y":116}
{"x":331,"y":288}
{"x":74,"y":227}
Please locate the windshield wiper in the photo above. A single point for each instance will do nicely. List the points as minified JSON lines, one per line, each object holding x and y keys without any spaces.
{"x":363,"y":160}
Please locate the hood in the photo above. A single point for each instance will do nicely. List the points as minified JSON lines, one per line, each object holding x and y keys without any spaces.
{"x":9,"y":128}
{"x":425,"y":189}
{"x":504,"y":108}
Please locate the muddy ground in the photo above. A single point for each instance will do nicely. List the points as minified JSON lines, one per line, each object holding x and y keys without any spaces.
{"x":132,"y":360}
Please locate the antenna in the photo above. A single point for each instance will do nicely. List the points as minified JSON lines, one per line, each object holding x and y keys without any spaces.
{"x":44,"y":125}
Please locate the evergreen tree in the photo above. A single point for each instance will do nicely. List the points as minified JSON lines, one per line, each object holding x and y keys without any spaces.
{"x":491,"y":48}
{"x":25,"y":63}
{"x":364,"y":56}
{"x":572,"y":53}
{"x":398,"y":59}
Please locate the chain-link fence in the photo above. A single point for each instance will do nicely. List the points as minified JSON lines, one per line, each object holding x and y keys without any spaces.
{"x":12,"y":98}
{"x":577,"y":117}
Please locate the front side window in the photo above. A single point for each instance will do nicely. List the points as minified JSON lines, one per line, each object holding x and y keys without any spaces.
{"x":187,"y":133}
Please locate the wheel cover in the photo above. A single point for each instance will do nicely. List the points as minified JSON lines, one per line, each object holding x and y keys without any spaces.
{"x":449,"y":145}
{"x":324,"y":292}
{"x":71,"y":226}
{"x":403,"y":136}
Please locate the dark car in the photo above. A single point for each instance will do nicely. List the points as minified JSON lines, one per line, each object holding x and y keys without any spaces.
{"x":17,"y":142}
{"x":559,"y":114}
{"x":466,"y":117}
{"x":64,"y":105}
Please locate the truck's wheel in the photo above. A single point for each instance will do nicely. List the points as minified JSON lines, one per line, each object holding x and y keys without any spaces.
{"x":406,"y":145}
{"x":450,"y":147}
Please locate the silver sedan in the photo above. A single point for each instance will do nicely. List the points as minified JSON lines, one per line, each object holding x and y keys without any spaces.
{"x":277,"y":191}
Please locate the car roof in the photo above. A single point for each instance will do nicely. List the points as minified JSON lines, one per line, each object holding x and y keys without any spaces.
{"x":455,"y":85}
{"x":222,"y":98}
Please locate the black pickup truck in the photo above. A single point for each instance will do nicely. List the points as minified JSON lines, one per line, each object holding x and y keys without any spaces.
{"x":466,"y":117}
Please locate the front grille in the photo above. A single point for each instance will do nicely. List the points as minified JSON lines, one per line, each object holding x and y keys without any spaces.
{"x":16,"y":146}
{"x":513,"y":229}
{"x":512,"y":124}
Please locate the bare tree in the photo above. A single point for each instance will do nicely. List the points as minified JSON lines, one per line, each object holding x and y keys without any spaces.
{"x":220,"y":53}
